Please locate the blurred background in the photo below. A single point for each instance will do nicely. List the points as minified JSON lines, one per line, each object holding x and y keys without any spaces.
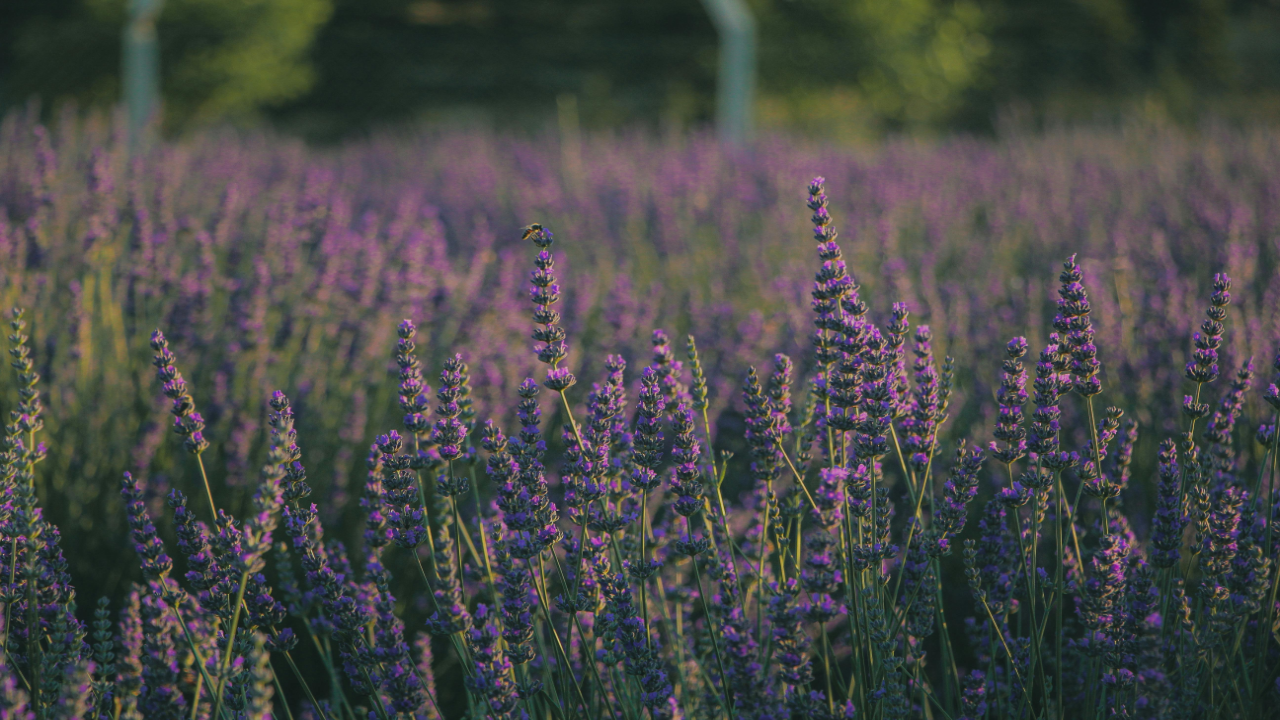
{"x":848,"y":69}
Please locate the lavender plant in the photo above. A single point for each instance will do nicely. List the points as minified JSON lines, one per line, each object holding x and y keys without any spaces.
{"x":611,"y":558}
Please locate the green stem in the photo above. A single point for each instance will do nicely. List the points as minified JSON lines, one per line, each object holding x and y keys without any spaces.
{"x":305,"y":687}
{"x":284,"y":701}
{"x":231,"y":643}
{"x":796,"y":473}
{"x":715,"y":645}
{"x":213,"y":508}
{"x":195,"y":650}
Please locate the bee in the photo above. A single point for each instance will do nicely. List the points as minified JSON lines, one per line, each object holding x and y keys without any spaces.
{"x":531,"y":230}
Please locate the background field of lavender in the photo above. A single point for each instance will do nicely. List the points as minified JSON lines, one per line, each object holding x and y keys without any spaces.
{"x":271,"y":265}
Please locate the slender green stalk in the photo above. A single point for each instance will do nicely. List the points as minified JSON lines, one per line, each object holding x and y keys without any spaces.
{"x":544,"y":602}
{"x":715,"y":644}
{"x":231,"y":643}
{"x":275,"y":679}
{"x":195,"y":695}
{"x":195,"y":650}
{"x":305,"y":687}
{"x":796,"y":473}
{"x":204,"y":476}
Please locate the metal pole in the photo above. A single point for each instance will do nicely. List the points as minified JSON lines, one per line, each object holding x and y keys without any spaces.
{"x":140,"y":67}
{"x":736,"y":83}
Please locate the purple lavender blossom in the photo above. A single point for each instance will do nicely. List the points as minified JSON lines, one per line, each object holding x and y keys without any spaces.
{"x":1100,"y":606}
{"x":831,"y":284}
{"x":638,"y":652}
{"x":960,"y":489}
{"x":449,"y":432}
{"x":413,"y":392}
{"x":534,"y":519}
{"x":1073,"y":322}
{"x":1169,"y":520}
{"x":493,"y":681}
{"x":686,"y":476}
{"x":1203,"y":367}
{"x":1011,"y":396}
{"x":924,"y":411}
{"x":1218,"y":547}
{"x":544,"y":294}
{"x":792,"y":642}
{"x":186,"y":421}
{"x":155,"y":563}
{"x":669,"y":371}
{"x":1221,"y":424}
{"x":647,"y":443}
{"x":406,"y":518}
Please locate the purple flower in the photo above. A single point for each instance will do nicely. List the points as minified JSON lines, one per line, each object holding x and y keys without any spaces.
{"x":186,"y":421}
{"x":1218,"y":547}
{"x":686,"y":477}
{"x":160,"y":697}
{"x":790,"y":640}
{"x":1011,"y":396}
{"x":413,"y":392}
{"x":870,"y":442}
{"x":449,"y":432}
{"x":544,"y":294}
{"x":1100,"y":604}
{"x":638,"y":651}
{"x":974,"y":698}
{"x":407,"y":520}
{"x":647,"y":443}
{"x":762,"y":432}
{"x":493,"y":680}
{"x":155,"y":563}
{"x":1042,"y":435}
{"x":960,"y":489}
{"x":1073,"y":322}
{"x":779,"y":392}
{"x":1203,"y":367}
{"x":397,"y":674}
{"x":829,"y":497}
{"x":668,"y":370}
{"x":1097,"y":483}
{"x":1221,"y":424}
{"x":831,"y":284}
{"x":373,"y":502}
{"x":924,"y":411}
{"x":451,"y":614}
{"x":821,"y":577}
{"x":1169,"y":520}
{"x":530,"y":514}
{"x":203,"y":571}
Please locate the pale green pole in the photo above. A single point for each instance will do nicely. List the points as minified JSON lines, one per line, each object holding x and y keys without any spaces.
{"x":140,"y":68}
{"x":736,"y":82}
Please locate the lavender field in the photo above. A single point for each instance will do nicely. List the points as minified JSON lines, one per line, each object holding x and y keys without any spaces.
{"x":969,"y":492}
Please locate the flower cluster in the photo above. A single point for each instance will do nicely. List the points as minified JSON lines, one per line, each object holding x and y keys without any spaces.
{"x":806,"y":577}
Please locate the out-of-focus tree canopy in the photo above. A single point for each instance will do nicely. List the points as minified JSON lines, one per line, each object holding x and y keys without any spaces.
{"x":220,"y":58}
{"x":329,"y":67}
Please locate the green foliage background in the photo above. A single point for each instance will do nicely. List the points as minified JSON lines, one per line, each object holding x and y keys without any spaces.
{"x":220,"y":58}
{"x":328,"y":68}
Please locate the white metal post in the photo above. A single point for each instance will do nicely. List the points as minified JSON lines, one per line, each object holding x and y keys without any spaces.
{"x":736,"y":82}
{"x":140,"y":67}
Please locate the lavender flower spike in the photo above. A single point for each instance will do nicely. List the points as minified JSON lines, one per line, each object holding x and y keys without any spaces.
{"x":1073,"y":322}
{"x":544,"y":294}
{"x":186,"y":421}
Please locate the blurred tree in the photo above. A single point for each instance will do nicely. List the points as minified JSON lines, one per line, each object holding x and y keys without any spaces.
{"x":901,"y":63}
{"x":379,"y":60}
{"x":872,"y":65}
{"x":219,"y":58}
